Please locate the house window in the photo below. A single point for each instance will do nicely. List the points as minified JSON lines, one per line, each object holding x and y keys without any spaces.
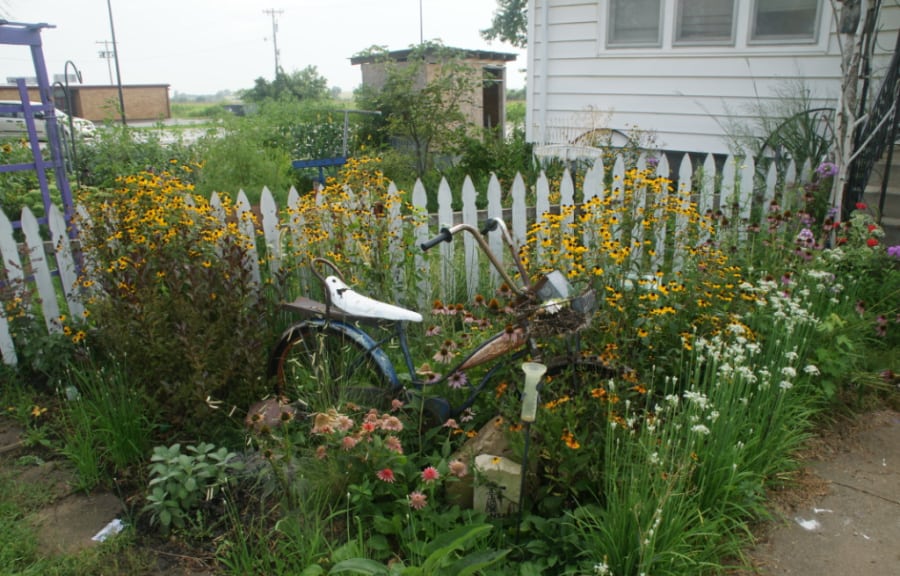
{"x":776,"y":20}
{"x":634,"y":22}
{"x":704,"y":22}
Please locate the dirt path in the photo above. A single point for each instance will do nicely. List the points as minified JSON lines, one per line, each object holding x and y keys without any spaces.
{"x":844,"y":517}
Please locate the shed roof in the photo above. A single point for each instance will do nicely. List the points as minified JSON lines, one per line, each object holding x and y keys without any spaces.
{"x":403,"y":55}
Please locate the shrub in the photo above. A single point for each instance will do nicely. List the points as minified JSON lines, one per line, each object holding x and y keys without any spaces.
{"x":173,"y":294}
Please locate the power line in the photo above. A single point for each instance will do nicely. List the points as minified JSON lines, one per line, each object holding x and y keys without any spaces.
{"x":274,"y":14}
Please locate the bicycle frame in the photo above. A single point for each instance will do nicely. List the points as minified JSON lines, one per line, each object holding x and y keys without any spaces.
{"x":497,"y":346}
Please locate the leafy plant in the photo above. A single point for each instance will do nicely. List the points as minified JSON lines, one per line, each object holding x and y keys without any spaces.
{"x":180,"y":482}
{"x":445,"y":555}
{"x":173,"y":291}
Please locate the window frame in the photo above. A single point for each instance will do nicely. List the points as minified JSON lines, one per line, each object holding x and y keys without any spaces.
{"x":770,"y":39}
{"x":729,"y":41}
{"x":619,"y":44}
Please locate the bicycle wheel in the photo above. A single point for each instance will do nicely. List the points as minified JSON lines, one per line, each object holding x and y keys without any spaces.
{"x":331,"y":365}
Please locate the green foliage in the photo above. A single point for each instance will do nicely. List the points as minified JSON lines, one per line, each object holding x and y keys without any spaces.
{"x":108,"y":422}
{"x":491,"y":153}
{"x":254,"y":151}
{"x":173,"y":293}
{"x":180,"y":482}
{"x":306,"y":84}
{"x":117,"y":150}
{"x":427,"y":114}
{"x":510,"y":23}
{"x":445,"y":555}
{"x":21,"y":188}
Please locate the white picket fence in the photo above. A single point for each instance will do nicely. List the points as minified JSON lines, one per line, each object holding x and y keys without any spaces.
{"x":35,"y":262}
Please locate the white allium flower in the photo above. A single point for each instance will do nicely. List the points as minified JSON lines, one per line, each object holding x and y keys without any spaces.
{"x":785,"y":385}
{"x":789,"y":372}
{"x":811,"y":369}
{"x":700,"y":428}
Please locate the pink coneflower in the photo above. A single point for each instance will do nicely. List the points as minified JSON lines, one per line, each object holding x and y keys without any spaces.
{"x":349,"y":442}
{"x":386,"y":475}
{"x":451,"y":423}
{"x":393,"y":444}
{"x":321,"y":452}
{"x":391,"y":424}
{"x":417,"y":500}
{"x":458,"y":468}
{"x":467,"y":416}
{"x":881,"y":326}
{"x":457,"y":380}
{"x":433,"y":331}
{"x":344,"y":423}
{"x":430,"y":474}
{"x":396,"y":405}
{"x":368,"y":427}
{"x":444,"y":356}
{"x":860,"y":307}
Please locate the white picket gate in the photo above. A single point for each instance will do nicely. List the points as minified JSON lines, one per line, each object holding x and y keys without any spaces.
{"x":35,"y":262}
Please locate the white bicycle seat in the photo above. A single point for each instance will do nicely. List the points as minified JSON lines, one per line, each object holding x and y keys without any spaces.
{"x":353,"y":303}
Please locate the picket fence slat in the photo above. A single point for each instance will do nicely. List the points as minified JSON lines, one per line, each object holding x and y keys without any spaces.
{"x":420,"y":200}
{"x":59,"y":237}
{"x":495,"y":210}
{"x":470,"y":217}
{"x":283,"y":230}
{"x":40,"y":268}
{"x":10,"y":261}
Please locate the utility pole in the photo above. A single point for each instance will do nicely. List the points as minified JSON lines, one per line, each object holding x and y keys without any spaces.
{"x":112,"y":29}
{"x":107,"y":55}
{"x":274,"y":14}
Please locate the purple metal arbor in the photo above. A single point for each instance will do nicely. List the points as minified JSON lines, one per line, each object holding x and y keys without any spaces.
{"x":21,"y":34}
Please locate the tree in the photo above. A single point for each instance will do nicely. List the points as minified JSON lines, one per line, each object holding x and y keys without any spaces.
{"x":306,"y":84}
{"x":510,"y":23}
{"x":422,"y":97}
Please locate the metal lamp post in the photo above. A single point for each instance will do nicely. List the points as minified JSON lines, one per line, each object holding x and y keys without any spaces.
{"x":68,"y":97}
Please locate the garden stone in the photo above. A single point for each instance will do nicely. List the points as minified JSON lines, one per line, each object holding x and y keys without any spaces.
{"x":497,"y":485}
{"x":491,"y":439}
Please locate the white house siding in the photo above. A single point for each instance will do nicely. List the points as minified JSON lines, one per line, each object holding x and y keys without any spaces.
{"x":687,"y":97}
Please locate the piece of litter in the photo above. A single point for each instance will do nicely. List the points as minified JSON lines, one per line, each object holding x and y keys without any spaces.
{"x":820,"y":510}
{"x":114,"y":527}
{"x":808,"y":524}
{"x":884,"y":462}
{"x":864,"y":536}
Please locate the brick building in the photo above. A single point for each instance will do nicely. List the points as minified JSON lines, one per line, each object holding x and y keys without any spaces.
{"x":98,"y":103}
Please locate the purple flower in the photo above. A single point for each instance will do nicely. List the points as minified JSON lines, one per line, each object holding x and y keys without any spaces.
{"x":894,"y":251}
{"x":826,"y":169}
{"x":806,"y":238}
{"x":457,"y":380}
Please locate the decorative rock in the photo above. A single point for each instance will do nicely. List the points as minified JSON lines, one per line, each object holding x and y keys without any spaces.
{"x":497,"y":485}
{"x":491,"y":439}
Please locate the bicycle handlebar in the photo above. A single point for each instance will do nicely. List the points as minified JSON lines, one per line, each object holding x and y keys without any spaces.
{"x":444,"y":236}
{"x":490,"y":225}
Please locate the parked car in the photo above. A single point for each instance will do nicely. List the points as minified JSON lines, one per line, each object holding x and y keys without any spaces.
{"x":12,"y":122}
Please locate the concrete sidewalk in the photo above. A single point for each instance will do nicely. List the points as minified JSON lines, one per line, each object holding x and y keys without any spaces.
{"x":849,"y":520}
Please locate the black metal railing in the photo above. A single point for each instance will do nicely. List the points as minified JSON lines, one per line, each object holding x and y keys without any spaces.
{"x":876,"y":134}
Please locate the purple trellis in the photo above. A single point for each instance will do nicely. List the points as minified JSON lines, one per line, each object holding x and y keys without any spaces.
{"x":20,"y":34}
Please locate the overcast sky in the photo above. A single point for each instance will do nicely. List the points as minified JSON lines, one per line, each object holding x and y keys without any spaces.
{"x":203,"y":46}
